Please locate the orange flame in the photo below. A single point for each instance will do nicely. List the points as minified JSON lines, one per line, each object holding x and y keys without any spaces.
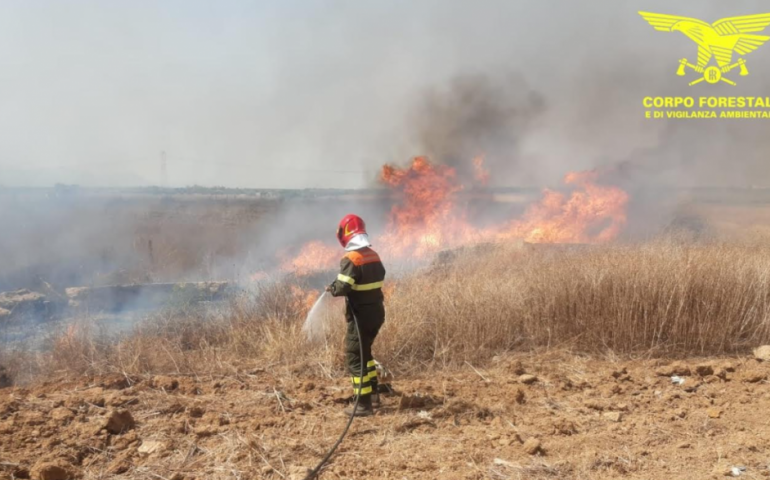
{"x":427,"y":217}
{"x":303,"y":300}
{"x":312,"y":257}
{"x":591,"y":214}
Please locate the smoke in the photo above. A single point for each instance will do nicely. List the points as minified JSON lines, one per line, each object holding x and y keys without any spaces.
{"x":578,"y":105}
{"x":285,"y":94}
{"x":302,"y":95}
{"x":476,"y":115}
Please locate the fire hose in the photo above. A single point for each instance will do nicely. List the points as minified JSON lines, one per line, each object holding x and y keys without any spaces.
{"x":314,"y":473}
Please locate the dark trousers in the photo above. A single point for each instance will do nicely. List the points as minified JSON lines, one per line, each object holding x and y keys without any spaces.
{"x":370,"y":319}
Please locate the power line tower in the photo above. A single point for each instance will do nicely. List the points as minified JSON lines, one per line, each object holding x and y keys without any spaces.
{"x":163,"y":170}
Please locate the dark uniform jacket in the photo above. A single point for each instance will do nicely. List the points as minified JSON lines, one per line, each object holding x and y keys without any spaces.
{"x":360,"y":279}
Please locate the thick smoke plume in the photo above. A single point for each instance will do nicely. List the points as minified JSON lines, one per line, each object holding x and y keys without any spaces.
{"x":475,"y":115}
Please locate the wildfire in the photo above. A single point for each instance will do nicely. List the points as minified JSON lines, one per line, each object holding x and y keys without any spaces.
{"x":312,"y":257}
{"x":591,"y":214}
{"x":428,"y":216}
{"x":303,"y":300}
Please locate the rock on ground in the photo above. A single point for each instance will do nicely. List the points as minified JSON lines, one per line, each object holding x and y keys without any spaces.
{"x":148,"y":447}
{"x":51,"y":471}
{"x":613,"y":416}
{"x":533,"y":446}
{"x":762,"y":353}
{"x":676,"y":368}
{"x":119,"y":421}
{"x":753,"y":375}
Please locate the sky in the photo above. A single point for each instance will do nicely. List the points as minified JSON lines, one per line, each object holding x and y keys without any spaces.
{"x":297,"y":94}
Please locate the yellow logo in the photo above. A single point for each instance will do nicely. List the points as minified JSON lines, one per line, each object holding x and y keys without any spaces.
{"x":720,"y":40}
{"x":347,"y":232}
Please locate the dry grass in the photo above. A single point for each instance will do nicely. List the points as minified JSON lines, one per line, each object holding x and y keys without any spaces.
{"x":663,"y":298}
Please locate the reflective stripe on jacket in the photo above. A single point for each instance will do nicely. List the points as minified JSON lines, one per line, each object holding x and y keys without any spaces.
{"x":361,"y":277}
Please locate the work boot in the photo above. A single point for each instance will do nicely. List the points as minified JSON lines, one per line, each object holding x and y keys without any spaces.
{"x":375,"y":400}
{"x":364,"y":408}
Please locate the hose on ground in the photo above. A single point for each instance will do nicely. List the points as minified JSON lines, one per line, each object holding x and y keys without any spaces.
{"x":314,"y":473}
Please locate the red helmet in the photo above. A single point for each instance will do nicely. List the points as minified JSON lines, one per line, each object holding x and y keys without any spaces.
{"x":350,"y":226}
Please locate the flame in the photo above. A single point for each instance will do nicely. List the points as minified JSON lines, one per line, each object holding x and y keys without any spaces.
{"x":313,"y":256}
{"x":428,"y":217}
{"x":302,"y":301}
{"x":591,"y":214}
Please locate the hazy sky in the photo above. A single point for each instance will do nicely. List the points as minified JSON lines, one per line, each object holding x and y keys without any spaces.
{"x":320,"y":93}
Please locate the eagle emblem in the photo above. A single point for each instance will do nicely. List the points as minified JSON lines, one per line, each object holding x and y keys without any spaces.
{"x":718,"y":40}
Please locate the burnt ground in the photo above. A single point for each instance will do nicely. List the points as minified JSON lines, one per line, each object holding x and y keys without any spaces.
{"x":552,"y":415}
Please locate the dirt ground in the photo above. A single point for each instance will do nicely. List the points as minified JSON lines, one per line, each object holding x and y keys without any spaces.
{"x":552,"y":415}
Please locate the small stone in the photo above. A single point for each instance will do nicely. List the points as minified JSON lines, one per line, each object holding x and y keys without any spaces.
{"x":196,"y":411}
{"x":610,"y":390}
{"x":565,"y":427}
{"x":532,"y":446}
{"x":613,"y":416}
{"x":721,"y":373}
{"x":762,"y":353}
{"x":729,"y":367}
{"x":753,"y":376}
{"x":516,"y":367}
{"x":683,"y":445}
{"x":19,"y":471}
{"x":619,"y":373}
{"x":148,"y":447}
{"x":115,"y":382}
{"x":519,"y":396}
{"x":51,"y":471}
{"x":61,"y":414}
{"x":119,"y":421}
{"x":722,"y":469}
{"x":676,"y":368}
{"x":714,"y":412}
{"x":692,"y":387}
{"x":527,"y":379}
{"x":166,"y":383}
{"x":121,"y":463}
{"x":31,"y":418}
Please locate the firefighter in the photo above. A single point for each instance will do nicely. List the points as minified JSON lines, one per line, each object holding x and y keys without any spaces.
{"x":360,"y":282}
